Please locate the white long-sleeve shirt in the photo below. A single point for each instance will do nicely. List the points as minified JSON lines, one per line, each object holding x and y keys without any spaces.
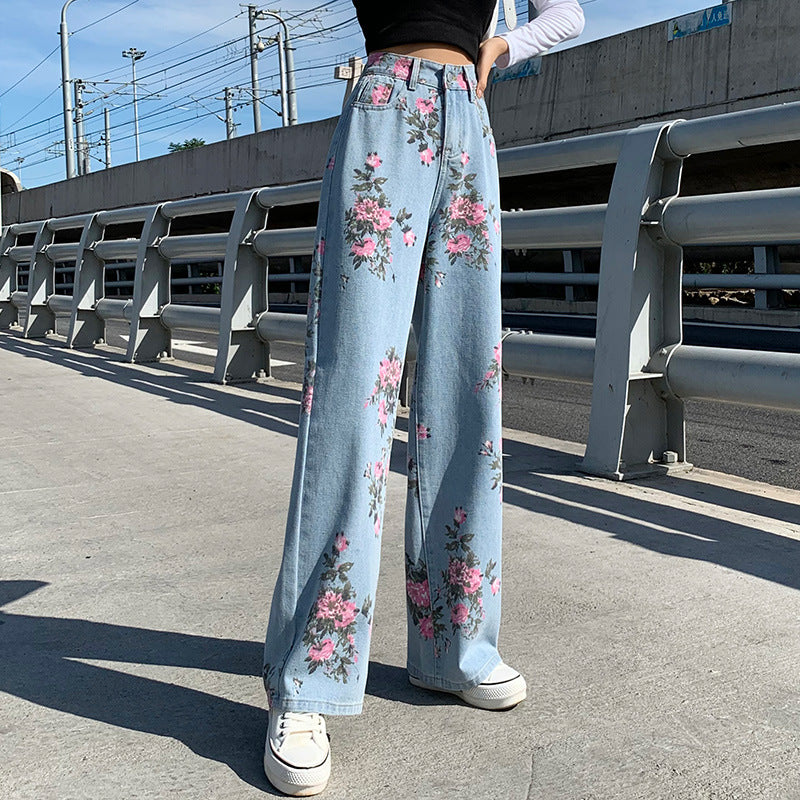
{"x":558,"y":21}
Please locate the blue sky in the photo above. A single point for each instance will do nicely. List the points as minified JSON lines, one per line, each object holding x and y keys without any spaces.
{"x":181,"y":85}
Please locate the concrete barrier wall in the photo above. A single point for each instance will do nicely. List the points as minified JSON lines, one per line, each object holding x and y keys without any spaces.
{"x":610,"y":84}
{"x":281,"y":155}
{"x":640,"y":76}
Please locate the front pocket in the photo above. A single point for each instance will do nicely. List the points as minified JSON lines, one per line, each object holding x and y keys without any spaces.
{"x":375,"y":92}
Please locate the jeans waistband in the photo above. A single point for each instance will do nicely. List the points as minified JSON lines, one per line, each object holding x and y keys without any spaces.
{"x":457,"y":77}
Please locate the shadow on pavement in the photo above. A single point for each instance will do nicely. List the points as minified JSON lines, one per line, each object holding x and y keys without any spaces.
{"x":41,"y":661}
{"x":672,"y":530}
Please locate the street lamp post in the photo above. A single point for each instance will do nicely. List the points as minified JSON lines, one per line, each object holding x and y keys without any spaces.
{"x":134,"y":55}
{"x":69,"y":140}
{"x":286,"y":63}
{"x":288,"y":51}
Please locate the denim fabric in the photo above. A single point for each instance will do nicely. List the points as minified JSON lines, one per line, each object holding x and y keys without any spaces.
{"x":409,"y":225}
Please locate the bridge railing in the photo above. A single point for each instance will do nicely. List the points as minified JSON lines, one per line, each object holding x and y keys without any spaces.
{"x":640,"y":370}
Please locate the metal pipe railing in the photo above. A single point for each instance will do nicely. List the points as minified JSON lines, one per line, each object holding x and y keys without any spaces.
{"x":65,"y":251}
{"x":640,"y":370}
{"x":209,"y":204}
{"x":578,"y":227}
{"x":60,"y":304}
{"x":199,"y":245}
{"x":752,"y":218}
{"x":192,"y":318}
{"x":108,"y":309}
{"x":117,"y":249}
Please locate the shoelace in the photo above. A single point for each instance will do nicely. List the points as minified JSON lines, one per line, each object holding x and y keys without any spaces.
{"x":300,"y":722}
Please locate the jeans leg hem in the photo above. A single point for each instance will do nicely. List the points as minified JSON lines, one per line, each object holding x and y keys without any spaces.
{"x":460,"y":686}
{"x":317,"y":706}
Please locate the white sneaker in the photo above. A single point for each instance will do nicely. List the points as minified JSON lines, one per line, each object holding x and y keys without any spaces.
{"x":503,"y":688}
{"x":297,"y":755}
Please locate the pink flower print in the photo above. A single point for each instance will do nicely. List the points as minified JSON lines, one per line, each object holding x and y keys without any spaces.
{"x":426,"y":628}
{"x":419,"y":593}
{"x":308,"y":399}
{"x":366,"y":210}
{"x":459,"y":614}
{"x":491,"y":147}
{"x":460,"y":516}
{"x":437,"y":280}
{"x":369,"y":211}
{"x":426,"y":156}
{"x":331,"y":162}
{"x":323,"y":651}
{"x":321,"y":247}
{"x":383,"y":219}
{"x":390,"y":372}
{"x":460,"y":244}
{"x":380,"y":94}
{"x":423,"y":432}
{"x":340,"y":543}
{"x":495,"y":585}
{"x":379,"y":467}
{"x":498,"y":352}
{"x":425,"y":105}
{"x":402,"y":68}
{"x":377,"y":526}
{"x":497,"y":226}
{"x":348,"y":615}
{"x":366,"y":248}
{"x":477,"y":214}
{"x":473,"y":583}
{"x":460,"y":574}
{"x":329,"y":605}
{"x":351,"y":640}
{"x":460,"y":208}
{"x":373,"y":58}
{"x":409,"y":238}
{"x":383,"y":415}
{"x":465,"y":158}
{"x":373,"y":160}
{"x":462,"y":84}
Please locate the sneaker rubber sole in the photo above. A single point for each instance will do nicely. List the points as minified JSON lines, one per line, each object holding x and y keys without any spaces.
{"x":491,"y":697}
{"x":296,"y":781}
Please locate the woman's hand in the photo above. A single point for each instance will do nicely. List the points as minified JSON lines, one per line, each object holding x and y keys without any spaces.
{"x":490,"y":51}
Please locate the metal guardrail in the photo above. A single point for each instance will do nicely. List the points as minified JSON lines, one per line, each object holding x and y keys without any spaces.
{"x":641,"y":372}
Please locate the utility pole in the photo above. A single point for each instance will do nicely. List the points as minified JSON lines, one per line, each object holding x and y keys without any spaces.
{"x":81,"y":147}
{"x":256,"y":46}
{"x":69,"y":141}
{"x":134,"y":55}
{"x":282,"y":69}
{"x":107,"y":135}
{"x":350,"y":73}
{"x":230,"y":127}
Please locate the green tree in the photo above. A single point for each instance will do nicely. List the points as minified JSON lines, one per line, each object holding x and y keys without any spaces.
{"x":188,"y":144}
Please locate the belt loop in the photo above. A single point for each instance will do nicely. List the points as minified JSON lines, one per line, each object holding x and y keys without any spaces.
{"x":470,"y":87}
{"x":412,"y":78}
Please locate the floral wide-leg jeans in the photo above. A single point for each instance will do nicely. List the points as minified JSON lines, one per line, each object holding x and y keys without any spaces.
{"x":408,"y":230}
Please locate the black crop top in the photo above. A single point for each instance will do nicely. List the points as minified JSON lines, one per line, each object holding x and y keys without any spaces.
{"x":457,"y":22}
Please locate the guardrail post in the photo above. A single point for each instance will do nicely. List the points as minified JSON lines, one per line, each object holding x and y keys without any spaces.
{"x":637,"y":425}
{"x":39,"y":319}
{"x":149,"y":339}
{"x":8,"y":280}
{"x":767,"y":262}
{"x":88,"y":286}
{"x":573,"y":262}
{"x":241,"y":354}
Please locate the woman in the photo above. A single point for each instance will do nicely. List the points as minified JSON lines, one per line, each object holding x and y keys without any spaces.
{"x":408,"y":231}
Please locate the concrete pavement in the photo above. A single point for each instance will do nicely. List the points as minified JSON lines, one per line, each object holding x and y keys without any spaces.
{"x":657,"y":623}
